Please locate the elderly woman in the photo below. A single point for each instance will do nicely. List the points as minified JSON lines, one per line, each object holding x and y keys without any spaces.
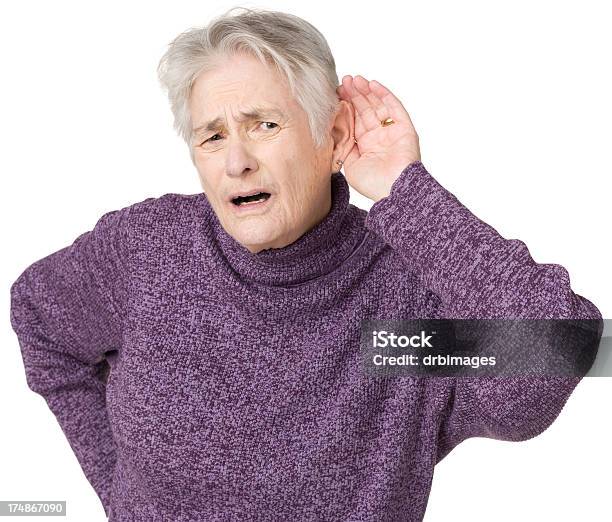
{"x":230,"y":319}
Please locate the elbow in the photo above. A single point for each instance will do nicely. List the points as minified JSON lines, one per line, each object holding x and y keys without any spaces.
{"x":529,"y":409}
{"x":561,"y":302}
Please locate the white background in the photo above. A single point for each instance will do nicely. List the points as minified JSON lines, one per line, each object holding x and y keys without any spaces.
{"x":511,"y":101}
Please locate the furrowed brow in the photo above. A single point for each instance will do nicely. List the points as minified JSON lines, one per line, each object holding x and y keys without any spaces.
{"x":258,"y":113}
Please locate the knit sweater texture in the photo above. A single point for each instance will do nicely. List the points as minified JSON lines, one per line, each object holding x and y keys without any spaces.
{"x":197,"y":381}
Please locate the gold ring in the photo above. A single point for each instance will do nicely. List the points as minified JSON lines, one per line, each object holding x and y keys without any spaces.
{"x":387,"y":122}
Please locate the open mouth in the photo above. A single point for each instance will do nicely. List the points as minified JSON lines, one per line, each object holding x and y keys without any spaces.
{"x":250,"y":200}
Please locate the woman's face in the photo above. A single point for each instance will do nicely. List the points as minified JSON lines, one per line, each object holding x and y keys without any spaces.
{"x":269,"y":150}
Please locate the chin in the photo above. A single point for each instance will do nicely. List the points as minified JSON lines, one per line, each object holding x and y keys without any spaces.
{"x":257,"y":236}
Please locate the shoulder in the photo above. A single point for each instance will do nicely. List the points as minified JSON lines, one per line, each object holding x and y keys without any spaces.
{"x":161,"y":212}
{"x":169,"y":206}
{"x":156,"y":221}
{"x":398,"y":278}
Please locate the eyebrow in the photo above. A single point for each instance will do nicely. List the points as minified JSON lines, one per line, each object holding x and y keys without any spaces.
{"x":253,"y":114}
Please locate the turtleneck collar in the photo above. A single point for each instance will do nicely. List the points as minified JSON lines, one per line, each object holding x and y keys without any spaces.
{"x":316,"y":253}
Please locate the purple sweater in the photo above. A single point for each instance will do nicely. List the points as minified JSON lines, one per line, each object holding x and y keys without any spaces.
{"x":236,"y":389}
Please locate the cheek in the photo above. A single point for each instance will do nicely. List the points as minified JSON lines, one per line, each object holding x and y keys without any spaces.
{"x":208,"y":180}
{"x":299,"y":200}
{"x":214,"y":198}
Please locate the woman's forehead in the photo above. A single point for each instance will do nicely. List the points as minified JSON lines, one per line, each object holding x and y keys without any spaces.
{"x":243,"y":94}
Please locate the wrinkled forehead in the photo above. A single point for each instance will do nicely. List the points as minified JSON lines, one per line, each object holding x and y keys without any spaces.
{"x":241,"y":92}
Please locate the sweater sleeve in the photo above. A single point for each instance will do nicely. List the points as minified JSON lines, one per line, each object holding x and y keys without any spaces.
{"x":478,"y":274}
{"x":66,"y":310}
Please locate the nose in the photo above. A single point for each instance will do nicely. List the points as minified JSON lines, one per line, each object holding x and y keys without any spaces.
{"x":239,"y":161}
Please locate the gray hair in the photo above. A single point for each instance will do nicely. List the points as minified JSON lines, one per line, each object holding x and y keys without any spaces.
{"x":290,"y":44}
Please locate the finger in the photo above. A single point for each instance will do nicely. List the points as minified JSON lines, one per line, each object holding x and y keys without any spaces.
{"x":394,"y":107}
{"x":347,"y":89}
{"x":381,"y":110}
{"x":363,"y":107}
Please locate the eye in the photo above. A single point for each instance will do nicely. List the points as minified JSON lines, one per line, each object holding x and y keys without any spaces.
{"x":211,"y":138}
{"x":270,"y":123}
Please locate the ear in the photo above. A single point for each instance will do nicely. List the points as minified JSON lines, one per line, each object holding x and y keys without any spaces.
{"x":342,"y":132}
